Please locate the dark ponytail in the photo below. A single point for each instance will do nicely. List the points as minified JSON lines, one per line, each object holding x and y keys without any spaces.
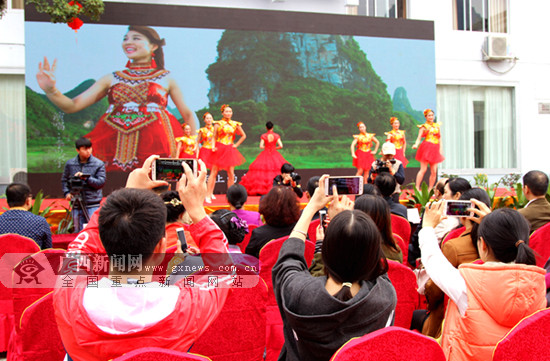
{"x":481,"y":195}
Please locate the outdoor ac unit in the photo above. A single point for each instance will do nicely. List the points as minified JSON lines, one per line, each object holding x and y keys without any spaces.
{"x":496,"y":47}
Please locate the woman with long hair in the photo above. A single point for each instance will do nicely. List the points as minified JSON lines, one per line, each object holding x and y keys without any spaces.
{"x":379,"y":210}
{"x":429,"y":151}
{"x":363,"y":156}
{"x":397,"y":137}
{"x":137,"y":123}
{"x":355,"y":296}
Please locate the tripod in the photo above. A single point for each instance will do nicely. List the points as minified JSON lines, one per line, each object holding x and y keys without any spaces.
{"x":80,"y":202}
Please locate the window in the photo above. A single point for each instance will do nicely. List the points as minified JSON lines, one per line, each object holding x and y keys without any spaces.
{"x":382,"y":8}
{"x":481,"y":15}
{"x":477,"y":126}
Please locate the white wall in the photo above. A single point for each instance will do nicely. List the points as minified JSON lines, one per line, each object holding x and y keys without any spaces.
{"x":12,"y":42}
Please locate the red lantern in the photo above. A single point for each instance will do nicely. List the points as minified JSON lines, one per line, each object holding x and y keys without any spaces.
{"x":75,"y":23}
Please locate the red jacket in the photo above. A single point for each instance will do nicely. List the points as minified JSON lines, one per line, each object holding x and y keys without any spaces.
{"x":103,"y":323}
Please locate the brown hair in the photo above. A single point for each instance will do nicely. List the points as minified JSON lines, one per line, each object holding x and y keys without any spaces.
{"x":154,"y":38}
{"x":280,"y":207}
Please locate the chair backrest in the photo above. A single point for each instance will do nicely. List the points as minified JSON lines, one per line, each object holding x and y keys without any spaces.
{"x":62,"y":240}
{"x":38,"y":333}
{"x":404,"y":282}
{"x":453,"y":234}
{"x":540,"y":243}
{"x":390,"y":343}
{"x":157,"y":353}
{"x":528,"y":340}
{"x":312,"y":230}
{"x":402,"y":246}
{"x":246,"y":239}
{"x":239,"y":331}
{"x":402,"y":227}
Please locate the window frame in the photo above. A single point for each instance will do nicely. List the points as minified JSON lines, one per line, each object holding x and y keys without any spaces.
{"x":467,"y":13}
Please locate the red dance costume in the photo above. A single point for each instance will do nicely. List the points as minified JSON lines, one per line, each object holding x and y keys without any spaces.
{"x":136,"y":124}
{"x":397,"y":137}
{"x":364,"y":156}
{"x":267,"y":165}
{"x":206,"y":136}
{"x":226,"y":155}
{"x":188,"y":143}
{"x":429,"y":150}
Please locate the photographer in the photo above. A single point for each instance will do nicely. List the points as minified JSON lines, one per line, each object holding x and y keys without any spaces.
{"x":390,"y":165}
{"x":289,"y":178}
{"x":82,"y":180}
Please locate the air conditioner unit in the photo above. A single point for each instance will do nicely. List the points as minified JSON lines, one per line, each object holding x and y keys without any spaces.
{"x":497,"y":47}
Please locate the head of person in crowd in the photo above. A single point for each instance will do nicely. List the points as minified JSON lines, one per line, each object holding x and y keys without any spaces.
{"x":132,"y":221}
{"x":504,"y":236}
{"x":481,"y":195}
{"x":312,"y":183}
{"x":369,"y":188}
{"x":279,"y":207}
{"x":83,"y":148}
{"x":439,"y":188}
{"x":388,"y":151}
{"x":379,"y":210}
{"x":535,"y":184}
{"x":454,"y":187}
{"x":385,"y":183}
{"x":174,"y":207}
{"x":287,"y":169}
{"x":236,"y":196}
{"x":269,"y":125}
{"x":19,"y":195}
{"x":231,"y":225}
{"x":351,"y":250}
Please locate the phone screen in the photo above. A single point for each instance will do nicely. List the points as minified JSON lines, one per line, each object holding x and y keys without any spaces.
{"x":345,"y":185}
{"x":170,"y":170}
{"x":458,"y":208}
{"x":181,"y":236}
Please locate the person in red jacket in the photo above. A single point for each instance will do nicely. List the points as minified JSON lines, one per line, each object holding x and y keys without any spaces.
{"x":127,"y":310}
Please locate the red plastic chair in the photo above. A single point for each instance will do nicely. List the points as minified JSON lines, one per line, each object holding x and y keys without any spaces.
{"x":38,"y":337}
{"x":157,"y":353}
{"x":274,"y":324}
{"x":20,"y":247}
{"x":540,"y":243}
{"x":246,"y":239}
{"x":404,"y":282}
{"x":239,"y":331}
{"x":62,"y":240}
{"x":312,"y":230}
{"x":528,"y":340}
{"x":402,"y":227}
{"x":390,"y":343}
{"x":455,"y":233}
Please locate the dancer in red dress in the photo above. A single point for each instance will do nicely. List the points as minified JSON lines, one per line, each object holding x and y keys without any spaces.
{"x":137,"y":123}
{"x":187,"y":145}
{"x":207,"y":142}
{"x":363,"y":157}
{"x":429,"y":151}
{"x":397,"y":137}
{"x":225,"y":153}
{"x":267,"y":165}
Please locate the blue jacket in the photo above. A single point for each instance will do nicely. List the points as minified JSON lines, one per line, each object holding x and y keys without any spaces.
{"x":91,"y":192}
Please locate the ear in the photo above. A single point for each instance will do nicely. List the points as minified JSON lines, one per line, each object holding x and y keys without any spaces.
{"x":161,"y":246}
{"x":482,"y":245}
{"x":28,"y":203}
{"x":154,"y":47}
{"x":457,"y":195}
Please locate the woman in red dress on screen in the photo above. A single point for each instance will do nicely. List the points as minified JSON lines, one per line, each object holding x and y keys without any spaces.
{"x":187,"y":145}
{"x":137,"y":123}
{"x":206,"y":140}
{"x":225,"y":153}
{"x":267,"y":165}
{"x":362,"y":156}
{"x":397,"y":137}
{"x":429,"y":151}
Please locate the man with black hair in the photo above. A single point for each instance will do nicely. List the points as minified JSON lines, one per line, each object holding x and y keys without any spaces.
{"x":82,"y":180}
{"x":20,"y":221}
{"x":289,"y":178}
{"x":537,"y":211}
{"x":386,"y":184}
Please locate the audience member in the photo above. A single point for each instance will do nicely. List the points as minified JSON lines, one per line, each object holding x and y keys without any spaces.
{"x":312,"y":184}
{"x":20,"y":221}
{"x":439,"y":188}
{"x":537,"y":211}
{"x":371,"y":189}
{"x":454,"y":187}
{"x":289,"y":178}
{"x":123,"y":313}
{"x":232,"y":226}
{"x":388,"y":164}
{"x":280,"y":210}
{"x":486,"y":300}
{"x":176,"y":218}
{"x":237,"y":197}
{"x":320,"y":314}
{"x":386,"y":183}
{"x":379,"y":212}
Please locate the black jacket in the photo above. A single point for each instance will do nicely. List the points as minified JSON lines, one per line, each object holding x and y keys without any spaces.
{"x":91,"y":191}
{"x":316,"y":324}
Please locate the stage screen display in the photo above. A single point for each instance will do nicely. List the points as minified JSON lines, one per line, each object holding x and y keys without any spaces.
{"x":315,"y":76}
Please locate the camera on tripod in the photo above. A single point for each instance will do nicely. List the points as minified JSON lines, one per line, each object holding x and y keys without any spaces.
{"x":76,"y":184}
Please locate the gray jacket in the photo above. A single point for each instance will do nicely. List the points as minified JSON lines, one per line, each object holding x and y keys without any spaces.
{"x":91,"y":192}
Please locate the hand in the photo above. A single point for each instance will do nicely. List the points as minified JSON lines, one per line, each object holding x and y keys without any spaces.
{"x":214,"y":149}
{"x":46,"y":76}
{"x":320,"y":232}
{"x":339,"y":204}
{"x":192,"y":191}
{"x":433,"y":214}
{"x":139,"y":177}
{"x":69,"y":196}
{"x":193,"y":250}
{"x":480,"y":213}
{"x":354,"y":156}
{"x":235,"y":146}
{"x":414,"y":146}
{"x":319,"y":199}
{"x":78,"y":174}
{"x":287,"y":178}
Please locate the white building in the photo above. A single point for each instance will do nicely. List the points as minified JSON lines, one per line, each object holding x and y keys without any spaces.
{"x":496,"y":113}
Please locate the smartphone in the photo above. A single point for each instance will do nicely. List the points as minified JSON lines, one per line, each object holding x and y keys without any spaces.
{"x":181,"y":236}
{"x":458,"y":208}
{"x":352,"y":185}
{"x":323,"y":218}
{"x":171,"y":169}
